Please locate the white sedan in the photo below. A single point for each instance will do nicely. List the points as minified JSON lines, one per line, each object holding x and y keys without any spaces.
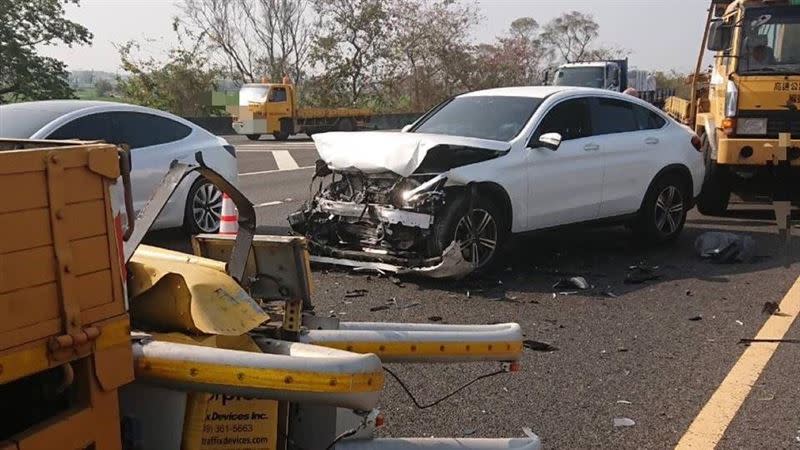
{"x":155,"y":138}
{"x":485,"y":165}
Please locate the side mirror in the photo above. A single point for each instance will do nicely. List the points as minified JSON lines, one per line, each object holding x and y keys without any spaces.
{"x":719,"y":36}
{"x":550,"y":141}
{"x":406,"y":128}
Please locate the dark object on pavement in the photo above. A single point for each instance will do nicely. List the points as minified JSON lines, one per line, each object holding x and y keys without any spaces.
{"x":356,"y":293}
{"x":724,"y":247}
{"x":696,"y":318}
{"x":380,"y":308}
{"x":640,"y":273}
{"x":768,"y":341}
{"x":572,"y":283}
{"x":538,"y":346}
{"x":397,"y":281}
{"x":435,"y":318}
{"x":770,"y":308}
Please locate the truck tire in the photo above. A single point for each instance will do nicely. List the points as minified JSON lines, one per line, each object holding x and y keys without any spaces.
{"x":254,"y":137}
{"x":346,"y":124}
{"x":716,"y":193}
{"x":280,"y":136}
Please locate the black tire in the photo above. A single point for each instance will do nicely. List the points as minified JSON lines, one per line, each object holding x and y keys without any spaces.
{"x":345,"y":124}
{"x":452,"y":224}
{"x":254,"y":137}
{"x":716,"y":192}
{"x":280,"y":136}
{"x":194,"y":221}
{"x":663,"y":212}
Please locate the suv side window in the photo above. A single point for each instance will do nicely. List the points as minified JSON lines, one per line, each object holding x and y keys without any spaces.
{"x":569,"y":118}
{"x":94,"y":127}
{"x":144,"y":130}
{"x":648,"y":120}
{"x":614,"y":116}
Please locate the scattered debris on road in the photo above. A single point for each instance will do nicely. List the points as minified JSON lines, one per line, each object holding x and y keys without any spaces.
{"x":624,"y":402}
{"x":770,"y":308}
{"x":538,"y":346}
{"x":696,"y":318}
{"x":747,"y":341}
{"x":641,"y":273}
{"x":435,"y":318}
{"x":579,"y":283}
{"x":722,"y":247}
{"x":620,"y":422}
{"x":356,"y":293}
{"x":739,"y":322}
{"x":380,"y":308}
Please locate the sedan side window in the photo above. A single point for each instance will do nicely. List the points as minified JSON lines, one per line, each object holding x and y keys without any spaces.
{"x":94,"y":127}
{"x":145,"y":130}
{"x":569,"y":118}
{"x":614,"y":116}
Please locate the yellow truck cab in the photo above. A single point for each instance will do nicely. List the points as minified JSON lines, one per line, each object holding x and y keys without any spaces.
{"x":749,"y":120}
{"x":272,"y":108}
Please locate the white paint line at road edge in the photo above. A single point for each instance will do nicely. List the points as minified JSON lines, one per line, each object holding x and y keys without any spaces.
{"x":264,"y":172}
{"x":710,"y":425}
{"x":284,"y":160}
{"x":275,"y":203}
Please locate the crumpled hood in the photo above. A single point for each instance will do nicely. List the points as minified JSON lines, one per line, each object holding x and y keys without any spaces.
{"x":381,"y":151}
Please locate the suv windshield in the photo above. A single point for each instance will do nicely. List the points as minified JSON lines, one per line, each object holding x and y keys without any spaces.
{"x":252,"y":94}
{"x":770,"y":41}
{"x":592,"y":77}
{"x":498,"y":118}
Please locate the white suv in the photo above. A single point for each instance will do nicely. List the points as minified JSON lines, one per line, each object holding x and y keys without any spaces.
{"x":484,"y":165}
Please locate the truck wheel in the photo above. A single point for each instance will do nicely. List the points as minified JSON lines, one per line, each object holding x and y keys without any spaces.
{"x":480,"y":235}
{"x":346,"y":124}
{"x":254,"y":137}
{"x":716,"y":192}
{"x":280,"y":136}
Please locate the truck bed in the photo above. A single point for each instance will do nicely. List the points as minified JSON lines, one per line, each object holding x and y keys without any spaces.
{"x":331,"y":113}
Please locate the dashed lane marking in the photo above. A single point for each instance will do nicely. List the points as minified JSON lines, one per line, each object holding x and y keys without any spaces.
{"x":284,"y":160}
{"x":709,"y":426}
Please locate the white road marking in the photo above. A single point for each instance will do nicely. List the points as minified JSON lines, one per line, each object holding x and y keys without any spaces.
{"x":265,"y":172}
{"x":284,"y":160}
{"x":275,"y":203}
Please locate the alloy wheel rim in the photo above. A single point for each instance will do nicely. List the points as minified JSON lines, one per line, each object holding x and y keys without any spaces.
{"x":476,"y":235}
{"x":669,"y":210}
{"x":207,"y":208}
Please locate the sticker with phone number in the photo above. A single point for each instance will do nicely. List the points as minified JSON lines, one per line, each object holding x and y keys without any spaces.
{"x":787,"y":86}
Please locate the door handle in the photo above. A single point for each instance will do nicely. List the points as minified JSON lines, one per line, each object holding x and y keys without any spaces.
{"x":651,"y":141}
{"x":591,"y":147}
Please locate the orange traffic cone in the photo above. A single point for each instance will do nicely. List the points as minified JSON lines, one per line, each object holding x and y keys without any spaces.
{"x":229,"y":220}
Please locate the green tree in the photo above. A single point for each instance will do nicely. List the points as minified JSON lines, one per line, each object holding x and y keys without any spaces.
{"x":24,"y":25}
{"x":181,"y":84}
{"x":571,"y":34}
{"x":103,"y":87}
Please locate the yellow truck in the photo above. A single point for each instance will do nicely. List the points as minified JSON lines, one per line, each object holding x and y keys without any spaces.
{"x":272,"y":108}
{"x":746,"y":109}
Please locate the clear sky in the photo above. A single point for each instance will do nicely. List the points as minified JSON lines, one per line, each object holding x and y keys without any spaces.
{"x":661,"y":34}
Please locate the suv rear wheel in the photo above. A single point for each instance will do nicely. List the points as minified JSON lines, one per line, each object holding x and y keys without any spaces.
{"x":664,"y":209}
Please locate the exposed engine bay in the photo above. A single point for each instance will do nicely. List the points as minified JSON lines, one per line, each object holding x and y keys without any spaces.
{"x":381,"y":216}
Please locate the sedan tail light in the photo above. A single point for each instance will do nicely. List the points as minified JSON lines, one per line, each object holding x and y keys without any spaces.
{"x":230,"y":149}
{"x":697,"y":143}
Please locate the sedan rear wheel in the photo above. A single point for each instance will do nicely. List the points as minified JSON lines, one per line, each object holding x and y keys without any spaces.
{"x":203,"y":208}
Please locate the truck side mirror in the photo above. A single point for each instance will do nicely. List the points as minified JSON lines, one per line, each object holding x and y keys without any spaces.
{"x":719,"y":36}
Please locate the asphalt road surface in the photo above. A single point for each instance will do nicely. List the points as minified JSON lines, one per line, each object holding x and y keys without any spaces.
{"x":664,"y":353}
